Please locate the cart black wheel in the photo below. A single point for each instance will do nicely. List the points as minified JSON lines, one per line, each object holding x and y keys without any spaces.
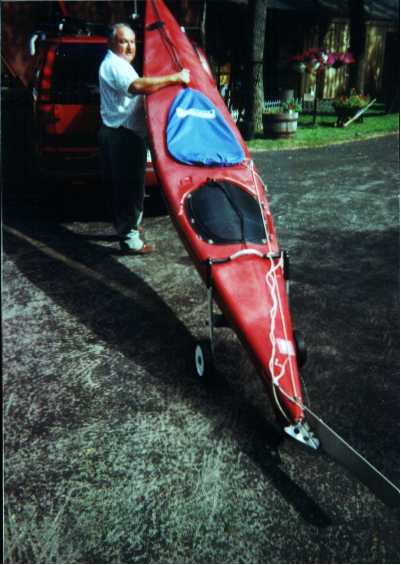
{"x":203,"y":360}
{"x":301,"y":351}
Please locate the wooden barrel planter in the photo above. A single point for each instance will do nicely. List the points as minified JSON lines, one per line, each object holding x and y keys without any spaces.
{"x":280,"y":124}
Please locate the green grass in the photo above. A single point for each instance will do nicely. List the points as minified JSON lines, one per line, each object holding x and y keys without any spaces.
{"x":325,"y":132}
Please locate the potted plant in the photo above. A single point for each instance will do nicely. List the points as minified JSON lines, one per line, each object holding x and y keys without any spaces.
{"x":347,"y":106}
{"x":282,"y":120}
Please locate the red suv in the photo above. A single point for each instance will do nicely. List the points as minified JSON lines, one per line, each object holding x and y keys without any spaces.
{"x":66,"y":107}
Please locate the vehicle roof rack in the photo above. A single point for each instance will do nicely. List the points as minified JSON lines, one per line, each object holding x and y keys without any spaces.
{"x":74,"y":26}
{"x":77,"y":26}
{"x":68,"y":25}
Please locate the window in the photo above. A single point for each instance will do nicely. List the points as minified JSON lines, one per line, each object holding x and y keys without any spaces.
{"x":75,"y":73}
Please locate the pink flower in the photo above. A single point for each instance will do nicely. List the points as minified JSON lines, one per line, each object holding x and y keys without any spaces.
{"x":348,"y":58}
{"x":331,"y":58}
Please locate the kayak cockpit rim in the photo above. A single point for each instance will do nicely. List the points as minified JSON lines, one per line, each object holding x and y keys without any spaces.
{"x":223,"y":211}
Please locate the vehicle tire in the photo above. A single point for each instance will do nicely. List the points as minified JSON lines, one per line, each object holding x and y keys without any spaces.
{"x":203,"y":361}
{"x":300,"y":348}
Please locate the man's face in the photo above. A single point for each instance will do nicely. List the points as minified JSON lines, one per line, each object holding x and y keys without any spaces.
{"x":124,"y":44}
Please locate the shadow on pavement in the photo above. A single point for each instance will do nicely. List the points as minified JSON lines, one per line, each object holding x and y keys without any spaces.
{"x":347,"y":302}
{"x":136,"y":325}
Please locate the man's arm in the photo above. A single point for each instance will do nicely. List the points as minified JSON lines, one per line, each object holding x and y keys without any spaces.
{"x":147,"y":85}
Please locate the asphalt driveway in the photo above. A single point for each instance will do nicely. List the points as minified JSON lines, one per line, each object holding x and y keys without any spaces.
{"x":114,"y":453}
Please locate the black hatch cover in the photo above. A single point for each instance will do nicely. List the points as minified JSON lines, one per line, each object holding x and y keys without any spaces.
{"x":223,"y":212}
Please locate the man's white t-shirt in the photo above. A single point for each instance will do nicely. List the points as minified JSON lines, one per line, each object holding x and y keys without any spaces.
{"x":117,"y":106}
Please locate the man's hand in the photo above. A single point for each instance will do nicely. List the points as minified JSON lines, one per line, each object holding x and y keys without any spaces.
{"x":147,"y":85}
{"x":184,"y":76}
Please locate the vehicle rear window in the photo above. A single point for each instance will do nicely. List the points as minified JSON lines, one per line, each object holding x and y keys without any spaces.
{"x":75,"y":73}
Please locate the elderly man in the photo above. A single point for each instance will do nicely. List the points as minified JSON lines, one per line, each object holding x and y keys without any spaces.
{"x":122,"y":136}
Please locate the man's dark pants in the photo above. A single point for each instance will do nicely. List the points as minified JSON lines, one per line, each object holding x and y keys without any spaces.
{"x":123,"y":162}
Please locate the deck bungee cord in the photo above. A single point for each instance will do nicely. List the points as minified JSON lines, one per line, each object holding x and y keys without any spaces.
{"x":169,"y":45}
{"x":274,"y":363}
{"x":272,"y":284}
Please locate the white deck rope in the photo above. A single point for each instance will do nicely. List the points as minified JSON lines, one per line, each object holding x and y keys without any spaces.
{"x":246,"y":252}
{"x":272,"y":284}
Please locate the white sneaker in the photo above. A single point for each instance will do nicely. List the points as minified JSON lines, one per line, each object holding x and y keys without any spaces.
{"x":132,"y":241}
{"x":133,"y":244}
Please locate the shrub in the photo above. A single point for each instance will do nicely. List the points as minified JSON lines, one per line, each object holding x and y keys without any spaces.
{"x":352,"y":102}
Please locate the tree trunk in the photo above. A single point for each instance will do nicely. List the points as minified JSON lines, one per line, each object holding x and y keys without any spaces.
{"x":255,"y":92}
{"x":358,"y":44}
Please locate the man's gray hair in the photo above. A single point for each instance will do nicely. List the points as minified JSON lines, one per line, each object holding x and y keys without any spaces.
{"x":114,"y":28}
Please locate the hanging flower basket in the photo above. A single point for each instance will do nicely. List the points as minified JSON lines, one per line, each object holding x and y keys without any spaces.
{"x":316,"y":60}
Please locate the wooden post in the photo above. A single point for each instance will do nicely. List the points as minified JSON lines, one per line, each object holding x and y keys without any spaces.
{"x":315,"y":103}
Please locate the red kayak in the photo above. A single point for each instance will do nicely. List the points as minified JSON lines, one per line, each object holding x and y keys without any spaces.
{"x":217,"y":202}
